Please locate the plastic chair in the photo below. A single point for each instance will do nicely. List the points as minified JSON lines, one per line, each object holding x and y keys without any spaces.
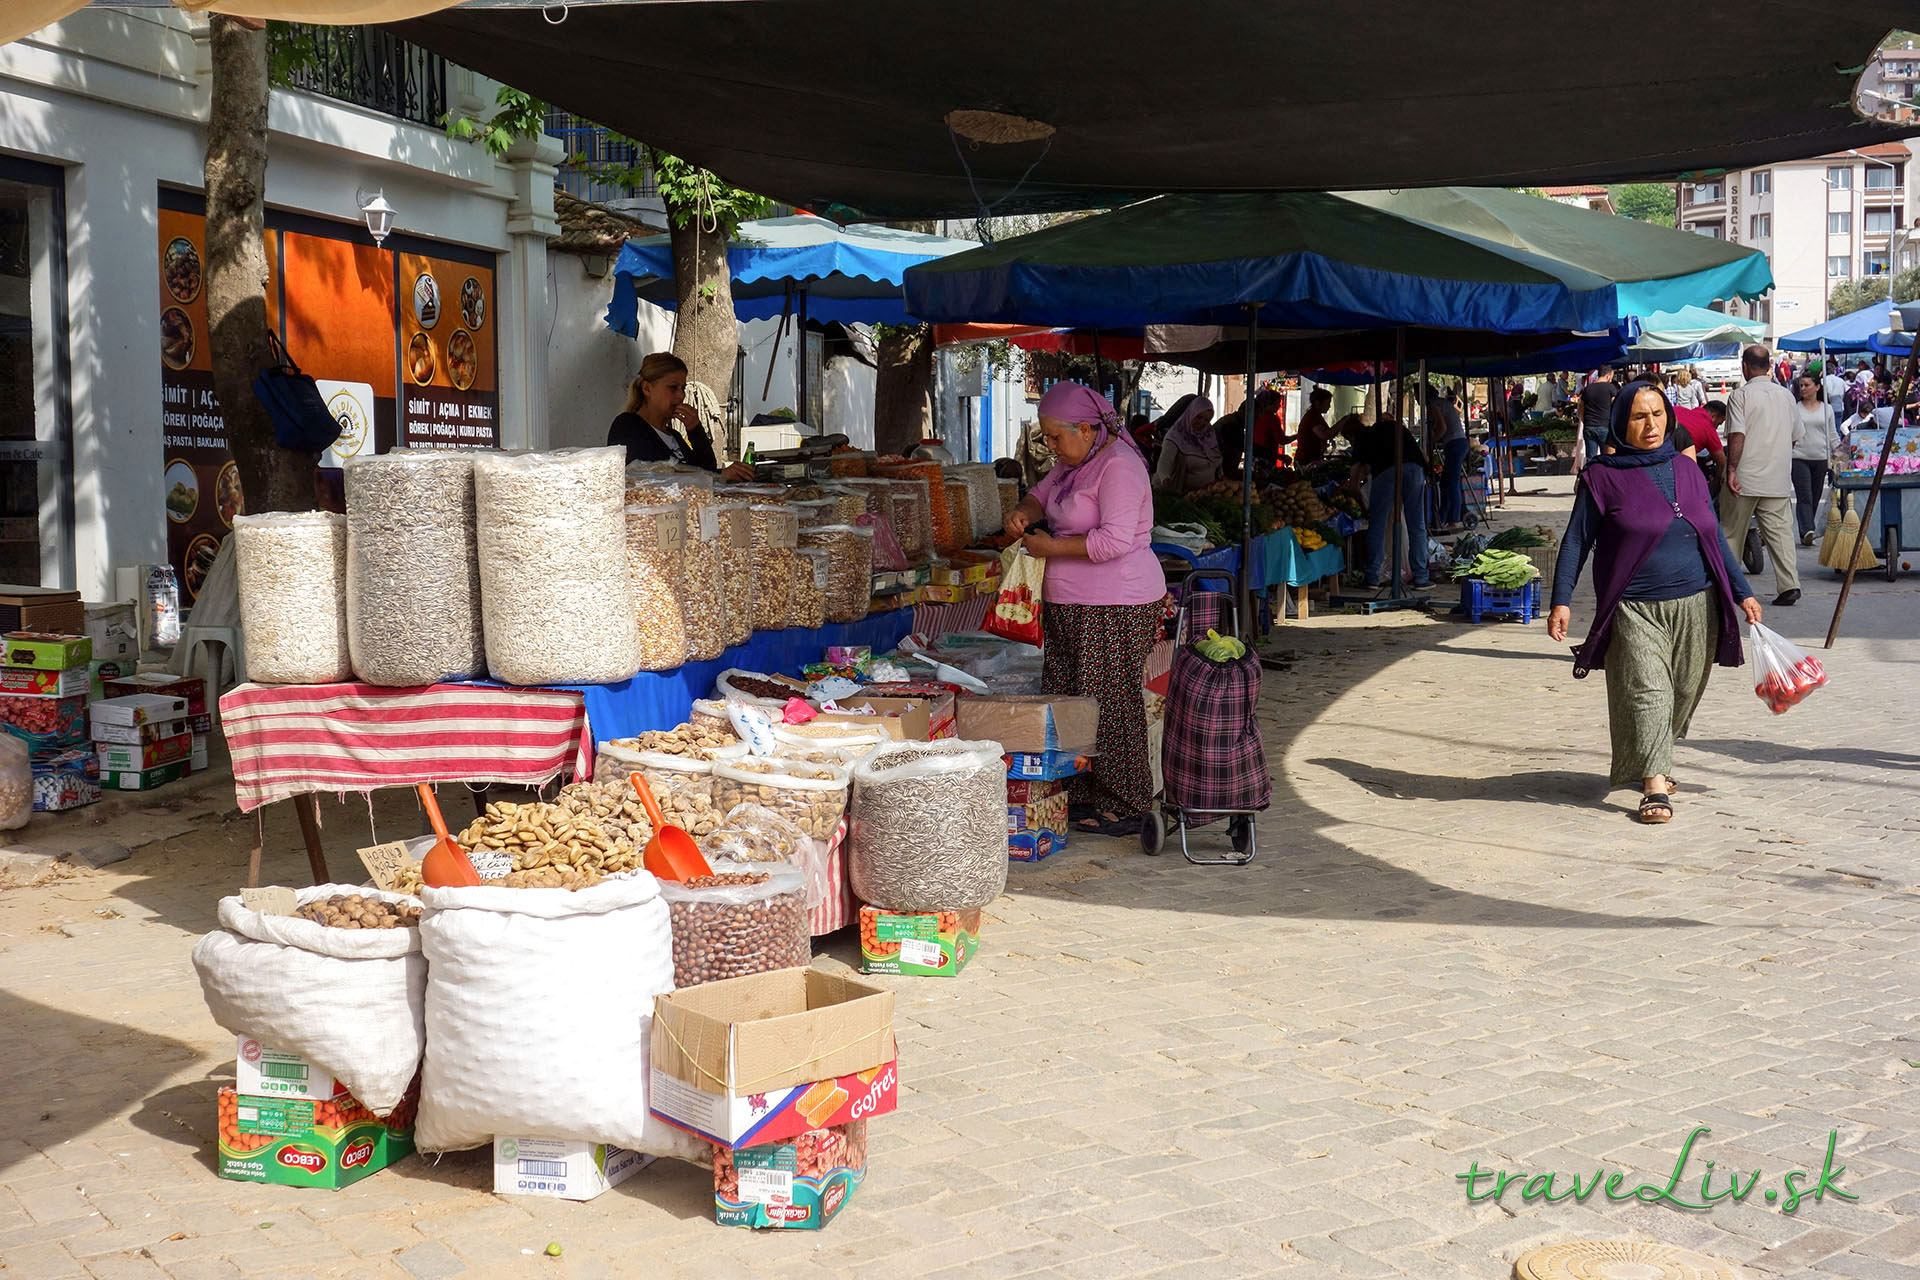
{"x":221,"y":651}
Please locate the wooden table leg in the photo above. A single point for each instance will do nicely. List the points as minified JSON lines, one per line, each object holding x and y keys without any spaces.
{"x":307,"y":809}
{"x":1301,"y":608}
{"x":480,"y":799}
{"x":253,"y":855}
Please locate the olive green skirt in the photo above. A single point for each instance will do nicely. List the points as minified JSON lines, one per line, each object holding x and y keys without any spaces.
{"x":1658,"y":662}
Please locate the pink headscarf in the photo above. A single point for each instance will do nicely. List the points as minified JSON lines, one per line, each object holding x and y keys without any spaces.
{"x":1076,"y":402}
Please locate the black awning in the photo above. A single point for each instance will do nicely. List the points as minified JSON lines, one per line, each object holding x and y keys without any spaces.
{"x":840,"y":106}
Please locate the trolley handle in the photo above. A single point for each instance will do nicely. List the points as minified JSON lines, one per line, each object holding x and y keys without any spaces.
{"x":1231,"y":597}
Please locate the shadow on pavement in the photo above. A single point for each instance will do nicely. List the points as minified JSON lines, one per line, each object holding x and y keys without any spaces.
{"x":77,"y":1061}
{"x":1550,"y":786}
{"x":188,"y":1115}
{"x":1755,"y":751}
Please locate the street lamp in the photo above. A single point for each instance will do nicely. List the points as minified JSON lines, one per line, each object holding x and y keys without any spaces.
{"x":1893,"y":258}
{"x":379,"y":216}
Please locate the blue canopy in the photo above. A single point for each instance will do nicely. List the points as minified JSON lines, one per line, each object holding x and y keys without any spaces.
{"x":1445,"y":258}
{"x":849,"y":274}
{"x":1851,"y":334}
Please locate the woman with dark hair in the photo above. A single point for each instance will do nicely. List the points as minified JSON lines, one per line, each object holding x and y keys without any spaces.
{"x":1669,"y":595}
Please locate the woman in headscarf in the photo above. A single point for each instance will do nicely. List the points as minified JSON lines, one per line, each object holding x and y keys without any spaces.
{"x":1669,"y":594}
{"x":1103,"y":597}
{"x":1189,"y":448}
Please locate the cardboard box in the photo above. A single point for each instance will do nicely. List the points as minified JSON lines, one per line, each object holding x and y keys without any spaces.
{"x":41,"y":609}
{"x":45,"y":723}
{"x":300,"y":1142}
{"x":799,"y":1185}
{"x":115,"y":632}
{"x":561,"y":1168}
{"x":29,"y":682}
{"x":1035,"y":846}
{"x":143,"y":779}
{"x":1047,"y":766}
{"x":198,"y":754}
{"x":1020,"y":722}
{"x":101,"y":670}
{"x":910,"y":719}
{"x":134,"y":757}
{"x":1025,"y":791}
{"x":769,"y":1056}
{"x":167,"y":685}
{"x":263,"y":1072}
{"x":920,"y":944}
{"x":136,"y":709}
{"x":129,"y":734}
{"x":939,"y":593}
{"x":47,"y":651}
{"x":65,"y":780}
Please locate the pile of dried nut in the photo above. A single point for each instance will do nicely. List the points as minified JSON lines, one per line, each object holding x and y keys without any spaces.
{"x":690,"y":739}
{"x":782,"y":786}
{"x":849,"y":551}
{"x":548,"y":878}
{"x":358,"y":911}
{"x":754,"y":833}
{"x":613,"y":805}
{"x":542,"y":834}
{"x":722,"y":928}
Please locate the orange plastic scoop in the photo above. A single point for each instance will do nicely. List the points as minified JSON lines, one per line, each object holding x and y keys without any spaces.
{"x":446,"y":865}
{"x":671,"y":854}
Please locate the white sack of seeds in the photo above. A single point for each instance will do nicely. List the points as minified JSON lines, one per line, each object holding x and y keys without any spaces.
{"x":413,"y":568}
{"x":292,"y":568}
{"x":553,"y":566}
{"x":929,"y":826}
{"x":539,"y":1009}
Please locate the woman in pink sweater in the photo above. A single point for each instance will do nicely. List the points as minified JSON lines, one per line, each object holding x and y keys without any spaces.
{"x":1105,"y":595}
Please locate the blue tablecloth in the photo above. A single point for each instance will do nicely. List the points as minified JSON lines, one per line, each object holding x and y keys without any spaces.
{"x":1278,"y":560}
{"x":662,"y":699}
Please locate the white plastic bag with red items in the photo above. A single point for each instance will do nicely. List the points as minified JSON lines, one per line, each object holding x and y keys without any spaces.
{"x":1783,"y":674}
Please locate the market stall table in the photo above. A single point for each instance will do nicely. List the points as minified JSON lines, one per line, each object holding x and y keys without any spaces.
{"x":1278,"y":561}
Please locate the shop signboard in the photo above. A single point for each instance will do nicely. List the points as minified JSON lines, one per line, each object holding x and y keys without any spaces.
{"x":399,"y":340}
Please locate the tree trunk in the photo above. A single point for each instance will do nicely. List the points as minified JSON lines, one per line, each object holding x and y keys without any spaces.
{"x":903,"y":388}
{"x":271,"y":478}
{"x":705,"y":334}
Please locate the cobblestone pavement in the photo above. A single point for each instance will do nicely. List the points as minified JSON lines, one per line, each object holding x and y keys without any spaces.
{"x":1452,"y":949}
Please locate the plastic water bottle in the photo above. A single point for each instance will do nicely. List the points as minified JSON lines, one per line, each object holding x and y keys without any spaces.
{"x":163,"y":605}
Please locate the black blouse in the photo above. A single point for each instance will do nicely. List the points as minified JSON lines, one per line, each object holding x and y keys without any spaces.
{"x":644,"y":444}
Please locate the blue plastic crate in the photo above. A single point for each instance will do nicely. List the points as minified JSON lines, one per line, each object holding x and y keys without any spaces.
{"x":1478,"y":600}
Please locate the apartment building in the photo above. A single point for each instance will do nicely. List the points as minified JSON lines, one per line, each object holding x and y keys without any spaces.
{"x":1820,"y":221}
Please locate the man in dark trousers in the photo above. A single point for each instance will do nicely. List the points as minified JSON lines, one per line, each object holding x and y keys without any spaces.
{"x":1596,"y":411}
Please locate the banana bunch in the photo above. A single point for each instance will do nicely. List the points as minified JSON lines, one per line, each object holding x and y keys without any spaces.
{"x":1310,"y":539}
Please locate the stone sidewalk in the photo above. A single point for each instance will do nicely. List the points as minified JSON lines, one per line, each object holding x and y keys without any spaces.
{"x":1453,"y":951}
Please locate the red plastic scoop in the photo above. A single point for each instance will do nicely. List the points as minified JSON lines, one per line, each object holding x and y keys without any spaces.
{"x":671,"y":854}
{"x":446,"y":865}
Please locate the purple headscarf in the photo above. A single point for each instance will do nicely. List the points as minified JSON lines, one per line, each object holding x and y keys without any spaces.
{"x":1076,"y":402}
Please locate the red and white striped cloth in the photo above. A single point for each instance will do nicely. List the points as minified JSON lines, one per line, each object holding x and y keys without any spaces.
{"x":291,"y":739}
{"x":838,"y":910}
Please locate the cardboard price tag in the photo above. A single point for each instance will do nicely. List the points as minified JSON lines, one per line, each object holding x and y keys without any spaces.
{"x":269,"y":900}
{"x":385,"y":862}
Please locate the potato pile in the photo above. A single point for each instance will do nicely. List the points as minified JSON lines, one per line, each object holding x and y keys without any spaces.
{"x":1298,"y":505}
{"x":357,"y":911}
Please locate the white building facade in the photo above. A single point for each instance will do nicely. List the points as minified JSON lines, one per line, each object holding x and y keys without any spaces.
{"x":1820,"y":221}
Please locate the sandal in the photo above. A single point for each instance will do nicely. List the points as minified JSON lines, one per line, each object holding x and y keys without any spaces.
{"x":1656,"y":808}
{"x":1100,"y":824}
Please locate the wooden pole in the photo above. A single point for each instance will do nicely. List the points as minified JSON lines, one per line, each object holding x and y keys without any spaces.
{"x":1873,"y":490}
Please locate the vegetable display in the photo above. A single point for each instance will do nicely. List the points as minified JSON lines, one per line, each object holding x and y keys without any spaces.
{"x":1506,"y":570}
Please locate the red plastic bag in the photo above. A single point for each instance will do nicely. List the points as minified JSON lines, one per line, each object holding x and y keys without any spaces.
{"x":1015,"y":614}
{"x":1782,"y":673}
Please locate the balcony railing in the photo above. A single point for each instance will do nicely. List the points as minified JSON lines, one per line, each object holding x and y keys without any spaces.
{"x":600,"y":165}
{"x":367,"y":67}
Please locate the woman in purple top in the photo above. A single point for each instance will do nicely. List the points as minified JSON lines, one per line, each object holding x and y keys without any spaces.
{"x":1668,"y":592}
{"x":1104,"y":596}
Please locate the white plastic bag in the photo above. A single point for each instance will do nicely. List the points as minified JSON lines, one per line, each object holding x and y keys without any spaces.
{"x":350,"y":1000}
{"x":539,"y":1008}
{"x":293,"y":596}
{"x":1783,"y":673}
{"x":16,"y":783}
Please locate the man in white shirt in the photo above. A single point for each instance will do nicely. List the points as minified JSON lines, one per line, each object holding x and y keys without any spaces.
{"x":1833,"y":389}
{"x":1761,"y":418}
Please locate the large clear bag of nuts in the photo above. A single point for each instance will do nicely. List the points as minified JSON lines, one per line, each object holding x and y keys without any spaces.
{"x":849,"y":549}
{"x":292,"y":568}
{"x":849,"y":504}
{"x":664,"y":484}
{"x":775,"y":532}
{"x":983,"y":496}
{"x":736,"y":570}
{"x":1009,"y":500}
{"x":413,"y":568}
{"x":552,"y":534}
{"x":812,"y":572}
{"x":814,"y":512}
{"x":910,"y":523}
{"x":753,"y":833}
{"x":16,"y":783}
{"x":656,"y":547}
{"x":812,"y":797}
{"x":931,"y":490}
{"x":959,"y":530}
{"x":342,"y":987}
{"x":739,"y":920}
{"x":929,"y":828}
